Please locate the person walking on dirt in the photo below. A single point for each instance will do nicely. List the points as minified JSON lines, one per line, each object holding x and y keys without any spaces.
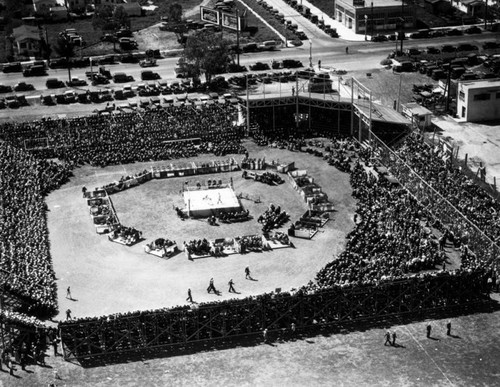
{"x":189,"y":297}
{"x":247,"y":273}
{"x":387,"y":338}
{"x":347,"y":50}
{"x":211,"y":287}
{"x":231,"y":287}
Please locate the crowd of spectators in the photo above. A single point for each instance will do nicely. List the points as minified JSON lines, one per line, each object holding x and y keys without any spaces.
{"x":198,"y":247}
{"x":129,"y":235}
{"x":24,"y":241}
{"x":392,"y":237}
{"x":273,"y":218}
{"x":161,"y":134}
{"x":474,"y":202}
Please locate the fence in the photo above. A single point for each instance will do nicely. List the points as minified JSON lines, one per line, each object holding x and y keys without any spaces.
{"x":479,"y":176}
{"x":175,"y":328}
{"x":436,"y":205}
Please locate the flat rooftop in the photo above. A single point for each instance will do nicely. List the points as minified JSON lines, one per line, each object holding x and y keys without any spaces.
{"x":376,"y":3}
{"x":494,"y":82}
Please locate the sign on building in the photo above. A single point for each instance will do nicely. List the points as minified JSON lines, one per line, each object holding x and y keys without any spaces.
{"x":209,"y":15}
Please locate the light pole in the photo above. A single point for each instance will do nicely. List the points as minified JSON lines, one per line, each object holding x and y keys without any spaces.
{"x":366,"y":25}
{"x":310,"y":53}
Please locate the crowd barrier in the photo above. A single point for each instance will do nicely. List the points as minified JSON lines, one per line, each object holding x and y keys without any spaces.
{"x":174,"y":328}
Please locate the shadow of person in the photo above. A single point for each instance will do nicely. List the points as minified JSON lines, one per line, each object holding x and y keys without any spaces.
{"x":253,"y":279}
{"x":455,"y":336}
{"x":398,"y":346}
{"x":433,"y":338}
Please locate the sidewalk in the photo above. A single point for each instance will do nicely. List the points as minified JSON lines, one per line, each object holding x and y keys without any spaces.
{"x":344,"y":32}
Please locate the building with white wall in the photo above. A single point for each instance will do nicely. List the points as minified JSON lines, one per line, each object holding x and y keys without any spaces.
{"x":479,"y":100}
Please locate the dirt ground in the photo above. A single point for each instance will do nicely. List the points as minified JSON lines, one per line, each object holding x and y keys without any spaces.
{"x":107,"y":277}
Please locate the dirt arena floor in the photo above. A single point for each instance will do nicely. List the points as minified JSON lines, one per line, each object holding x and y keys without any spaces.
{"x":106,"y":277}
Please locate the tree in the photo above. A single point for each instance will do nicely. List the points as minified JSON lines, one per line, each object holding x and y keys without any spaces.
{"x":66,"y":49}
{"x":205,"y":52}
{"x":175,"y":13}
{"x":121,"y":18}
{"x":107,"y":19}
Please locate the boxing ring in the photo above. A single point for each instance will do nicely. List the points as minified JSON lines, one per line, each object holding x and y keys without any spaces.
{"x":206,"y":202}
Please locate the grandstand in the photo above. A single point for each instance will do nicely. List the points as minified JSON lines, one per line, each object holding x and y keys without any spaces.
{"x":393,"y":262}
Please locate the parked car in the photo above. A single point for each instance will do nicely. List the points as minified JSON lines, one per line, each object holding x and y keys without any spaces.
{"x":473,"y":30}
{"x":148,"y":75}
{"x":23,"y":86}
{"x":467,"y":47}
{"x":268,"y":45}
{"x":122,"y":78}
{"x":148,"y":62}
{"x":14,"y":67}
{"x":403,"y":67}
{"x":54,"y":83}
{"x":454,"y":32}
{"x":35,"y":70}
{"x":259,"y":66}
{"x":291,"y":63}
{"x":48,"y":100}
{"x":433,"y":50}
{"x":109,"y":38}
{"x":70,"y":96}
{"x":59,"y":63}
{"x":379,"y":38}
{"x":99,"y":79}
{"x":75,"y":81}
{"x":490,"y":45}
{"x":129,"y":59}
{"x":448,"y":48}
{"x":413,"y":51}
{"x":127,"y":43}
{"x":12,"y":102}
{"x":5,"y":89}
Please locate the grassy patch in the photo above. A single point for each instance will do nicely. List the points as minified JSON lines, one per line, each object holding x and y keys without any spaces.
{"x":384,"y":85}
{"x":327,"y":6}
{"x":268,"y":17}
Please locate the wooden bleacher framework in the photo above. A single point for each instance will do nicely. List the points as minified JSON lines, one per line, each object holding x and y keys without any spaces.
{"x":335,"y":308}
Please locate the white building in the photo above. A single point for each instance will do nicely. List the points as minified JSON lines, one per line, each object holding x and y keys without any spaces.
{"x":417,"y":114}
{"x":479,"y":100}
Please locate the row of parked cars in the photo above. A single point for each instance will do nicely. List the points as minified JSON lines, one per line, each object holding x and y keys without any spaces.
{"x":456,"y":68}
{"x":428,"y":33}
{"x":451,"y":49}
{"x":306,"y":12}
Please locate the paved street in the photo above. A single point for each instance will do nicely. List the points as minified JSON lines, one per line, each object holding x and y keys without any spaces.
{"x":362,"y":56}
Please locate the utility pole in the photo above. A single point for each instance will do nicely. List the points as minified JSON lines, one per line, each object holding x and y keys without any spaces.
{"x":237,"y":36}
{"x":402,"y":24}
{"x":485,"y":14}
